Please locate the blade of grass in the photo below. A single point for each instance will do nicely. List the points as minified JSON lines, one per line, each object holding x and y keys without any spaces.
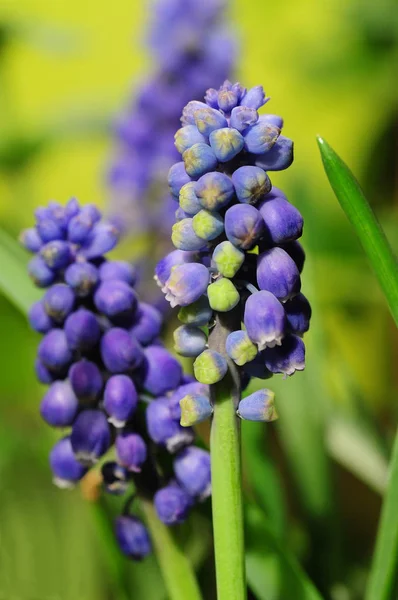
{"x":365,"y":223}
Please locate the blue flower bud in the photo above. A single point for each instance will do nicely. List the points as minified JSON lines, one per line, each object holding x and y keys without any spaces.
{"x":199,"y":159}
{"x":189,"y":202}
{"x":132,"y":537}
{"x":54,"y":351}
{"x":227,"y":259}
{"x":180,"y":214}
{"x":243,"y":117}
{"x":278,"y":158}
{"x":192,"y":471}
{"x":116,"y":299}
{"x":186,"y":284}
{"x":208,"y":120}
{"x":120,"y":352}
{"x":256,"y":368}
{"x":194,"y":408}
{"x":82,"y":278}
{"x":189,"y":111}
{"x":165,"y":430}
{"x":163,"y":371}
{"x":147,"y":325}
{"x":275,"y":120}
{"x":30,"y":239}
{"x":184,"y":237}
{"x":226,"y":143}
{"x":82,"y":330}
{"x":120,"y":399}
{"x":186,"y":137}
{"x":91,"y":436}
{"x":240,"y":348}
{"x":210,"y":367}
{"x":259,"y":406}
{"x":71,"y":209}
{"x":173,"y":259}
{"x":56,"y":254}
{"x":49,"y":230}
{"x":40,"y":273}
{"x":254,"y":98}
{"x":264,"y":319}
{"x":277,"y":273}
{"x":283,"y":222}
{"x":223,"y":295}
{"x":189,"y":340}
{"x":287,"y":358}
{"x":207,"y":224}
{"x":214,"y":190}
{"x":251,"y":184}
{"x":42,"y":373}
{"x":86,"y":381}
{"x":79,"y":228}
{"x":120,"y":270}
{"x":177,"y":178}
{"x":102,"y":239}
{"x":198,"y":313}
{"x":244,"y":226}
{"x":296,"y":252}
{"x":39,"y":319}
{"x":260,"y":138}
{"x":59,"y":405}
{"x":193,"y":388}
{"x":65,"y":468}
{"x":228,"y":97}
{"x":114,"y":478}
{"x":172,"y":504}
{"x":59,"y":301}
{"x":211,"y":97}
{"x":131,"y":451}
{"x":298,"y":314}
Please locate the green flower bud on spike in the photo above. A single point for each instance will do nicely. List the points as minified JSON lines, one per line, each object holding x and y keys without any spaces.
{"x":198,"y":313}
{"x":195,"y":408}
{"x":228,"y":259}
{"x":207,"y":224}
{"x":223,"y":295}
{"x":240,"y":348}
{"x":210,"y":367}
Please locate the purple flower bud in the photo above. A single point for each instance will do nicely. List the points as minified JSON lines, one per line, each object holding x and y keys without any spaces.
{"x":173,"y":259}
{"x":56,"y":254}
{"x":208,"y":120}
{"x":243,"y":117}
{"x":59,"y":405}
{"x":118,"y":269}
{"x":86,"y":381}
{"x":214,"y":190}
{"x":49,"y":230}
{"x":165,"y":430}
{"x":189,"y":340}
{"x":226,"y":143}
{"x":228,"y":98}
{"x":82,"y":278}
{"x":192,"y":471}
{"x":251,"y":184}
{"x":193,"y":388}
{"x":120,"y":352}
{"x":198,"y":313}
{"x":240,"y":348}
{"x":194,"y":408}
{"x":287,"y":358}
{"x":79,"y":228}
{"x":186,"y":137}
{"x":211,"y":98}
{"x":82,"y":330}
{"x":244,"y":226}
{"x":59,"y":301}
{"x":210,"y":367}
{"x":298,"y":314}
{"x":116,"y":299}
{"x":172,"y":504}
{"x":120,"y":399}
{"x":296,"y":252}
{"x":254,"y":98}
{"x":101,"y":240}
{"x":42,"y":373}
{"x":189,"y":111}
{"x":186,"y":284}
{"x":259,"y":406}
{"x":163,"y":371}
{"x":147,"y":325}
{"x":30,"y":239}
{"x":132,"y":537}
{"x":275,"y":120}
{"x":91,"y":436}
{"x":177,"y":178}
{"x":256,"y":368}
{"x":131,"y":451}
{"x":283,"y":222}
{"x":184,"y":237}
{"x":54,"y":351}
{"x":279,"y":157}
{"x":277,"y":273}
{"x":65,"y":468}
{"x":39,"y":319}
{"x":264,"y":319}
{"x":40,"y":273}
{"x":260,"y":138}
{"x":114,"y":478}
{"x":180,"y":214}
{"x":189,"y":202}
{"x":71,"y":209}
{"x":199,"y":159}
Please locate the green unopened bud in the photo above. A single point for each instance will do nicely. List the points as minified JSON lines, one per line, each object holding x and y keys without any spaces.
{"x":207,"y":224}
{"x":210,"y":367}
{"x":198,"y":313}
{"x":240,"y":348}
{"x":195,"y":408}
{"x":228,"y":259}
{"x":223,"y":295}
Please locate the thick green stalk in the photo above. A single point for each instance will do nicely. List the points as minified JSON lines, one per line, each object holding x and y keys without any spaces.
{"x":226,"y":477}
{"x":177,"y":570}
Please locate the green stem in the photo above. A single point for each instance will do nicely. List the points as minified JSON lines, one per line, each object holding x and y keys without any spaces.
{"x":226,"y":477}
{"x":177,"y":571}
{"x":384,"y":571}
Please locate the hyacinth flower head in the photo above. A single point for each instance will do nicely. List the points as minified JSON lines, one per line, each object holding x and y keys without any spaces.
{"x":111,"y":383}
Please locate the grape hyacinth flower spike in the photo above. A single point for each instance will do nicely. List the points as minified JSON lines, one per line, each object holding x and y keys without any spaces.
{"x":111,"y":383}
{"x":239,"y":291}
